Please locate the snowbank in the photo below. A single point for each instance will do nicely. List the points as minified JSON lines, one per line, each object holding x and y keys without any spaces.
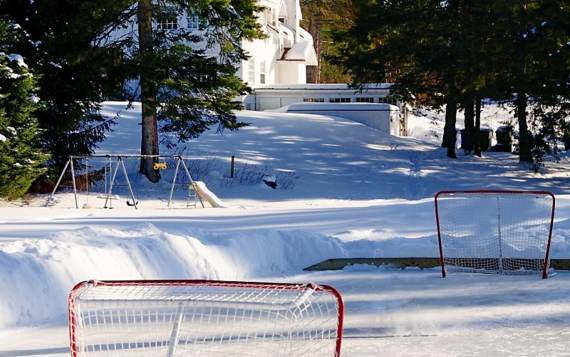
{"x":37,"y":274}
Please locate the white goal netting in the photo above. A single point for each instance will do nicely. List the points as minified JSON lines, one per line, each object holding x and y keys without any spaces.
{"x":505,"y":232}
{"x":204,"y":318}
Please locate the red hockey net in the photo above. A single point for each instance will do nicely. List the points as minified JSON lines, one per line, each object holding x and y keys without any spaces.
{"x":204,"y":318}
{"x":504,"y":232}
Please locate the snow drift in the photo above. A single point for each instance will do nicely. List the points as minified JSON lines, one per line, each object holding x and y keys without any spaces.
{"x":36,"y":275}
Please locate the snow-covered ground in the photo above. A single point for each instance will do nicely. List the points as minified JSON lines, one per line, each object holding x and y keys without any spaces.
{"x":344,"y":190}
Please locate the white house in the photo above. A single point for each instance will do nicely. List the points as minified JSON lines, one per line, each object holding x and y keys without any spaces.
{"x":276,"y":67}
{"x":283,"y":55}
{"x":273,"y":96}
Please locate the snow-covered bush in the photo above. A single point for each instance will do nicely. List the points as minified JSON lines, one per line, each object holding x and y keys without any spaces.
{"x":20,"y":157}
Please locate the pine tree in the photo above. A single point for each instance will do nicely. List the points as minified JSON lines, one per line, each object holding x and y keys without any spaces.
{"x":453,"y":54}
{"x":551,"y":97}
{"x":73,"y":76}
{"x":534,"y":72}
{"x":321,"y":18}
{"x":414,"y":45}
{"x":187,"y":78}
{"x":21,"y":160}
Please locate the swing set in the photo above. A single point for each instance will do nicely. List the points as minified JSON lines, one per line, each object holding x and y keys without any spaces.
{"x":108,"y":170}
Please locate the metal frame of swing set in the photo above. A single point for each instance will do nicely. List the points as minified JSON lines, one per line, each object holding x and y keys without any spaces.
{"x":180,"y":161}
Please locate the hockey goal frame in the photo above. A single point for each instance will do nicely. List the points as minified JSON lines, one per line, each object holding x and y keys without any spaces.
{"x":72,"y":316}
{"x":509,"y":192}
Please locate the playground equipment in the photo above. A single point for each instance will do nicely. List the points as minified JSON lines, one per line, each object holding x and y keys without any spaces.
{"x":107,"y":176}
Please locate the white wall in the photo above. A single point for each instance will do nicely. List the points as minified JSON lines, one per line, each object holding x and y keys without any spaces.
{"x":291,"y":72}
{"x":383,"y":117}
{"x":279,"y":95}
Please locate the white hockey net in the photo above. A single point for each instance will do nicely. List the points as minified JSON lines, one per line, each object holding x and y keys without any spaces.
{"x":204,"y":318}
{"x":505,"y":232}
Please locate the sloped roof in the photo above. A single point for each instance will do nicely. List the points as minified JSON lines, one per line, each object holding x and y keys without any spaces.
{"x":302,"y":51}
{"x":282,"y":9}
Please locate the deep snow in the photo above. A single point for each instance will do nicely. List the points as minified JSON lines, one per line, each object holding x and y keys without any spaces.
{"x":348,"y":191}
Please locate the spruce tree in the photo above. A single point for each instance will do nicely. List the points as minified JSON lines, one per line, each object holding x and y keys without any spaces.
{"x":21,"y":160}
{"x":73,"y":75}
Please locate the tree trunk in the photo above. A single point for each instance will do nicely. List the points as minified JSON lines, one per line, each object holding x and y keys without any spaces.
{"x":318,"y":20}
{"x":314,"y":72}
{"x":469,"y":126}
{"x":449,"y":131}
{"x":477,"y":129}
{"x":566,"y":137}
{"x":525,"y":143}
{"x":149,"y":130}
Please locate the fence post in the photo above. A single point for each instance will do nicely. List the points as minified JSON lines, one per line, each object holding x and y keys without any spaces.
{"x":232,"y":167}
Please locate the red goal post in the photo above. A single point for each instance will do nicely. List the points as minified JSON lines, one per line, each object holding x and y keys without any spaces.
{"x":204,"y":318}
{"x":500,"y":231}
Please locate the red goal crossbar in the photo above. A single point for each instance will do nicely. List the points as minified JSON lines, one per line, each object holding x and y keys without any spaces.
{"x":274,"y":299}
{"x":444,"y":227}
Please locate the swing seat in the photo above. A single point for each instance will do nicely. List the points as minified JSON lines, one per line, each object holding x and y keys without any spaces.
{"x":160,"y":166}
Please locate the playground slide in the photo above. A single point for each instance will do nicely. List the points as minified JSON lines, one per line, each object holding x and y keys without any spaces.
{"x":206,"y":195}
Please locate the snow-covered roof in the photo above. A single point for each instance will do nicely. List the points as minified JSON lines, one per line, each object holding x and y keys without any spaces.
{"x":376,"y":107}
{"x":282,"y":10}
{"x":323,"y":86}
{"x":304,"y":34}
{"x":269,"y":3}
{"x":287,"y":31}
{"x":302,"y":51}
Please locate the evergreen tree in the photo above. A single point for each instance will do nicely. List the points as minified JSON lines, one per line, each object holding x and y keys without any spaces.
{"x":321,"y":18}
{"x":534,"y":71}
{"x":85,"y":50}
{"x":455,"y":53}
{"x":186,"y":78}
{"x":21,"y":160}
{"x":73,"y":76}
{"x":415,"y":45}
{"x":552,"y":99}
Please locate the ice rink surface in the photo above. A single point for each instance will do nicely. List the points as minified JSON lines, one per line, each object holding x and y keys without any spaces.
{"x":412,"y":313}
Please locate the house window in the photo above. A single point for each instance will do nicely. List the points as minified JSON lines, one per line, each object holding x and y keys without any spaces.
{"x":364,"y":99}
{"x":270,"y":17}
{"x":262,"y":70}
{"x":389,"y":100}
{"x":166,"y":19}
{"x":193,"y":22}
{"x":339,"y":100}
{"x":251,"y":71}
{"x":314,"y":100}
